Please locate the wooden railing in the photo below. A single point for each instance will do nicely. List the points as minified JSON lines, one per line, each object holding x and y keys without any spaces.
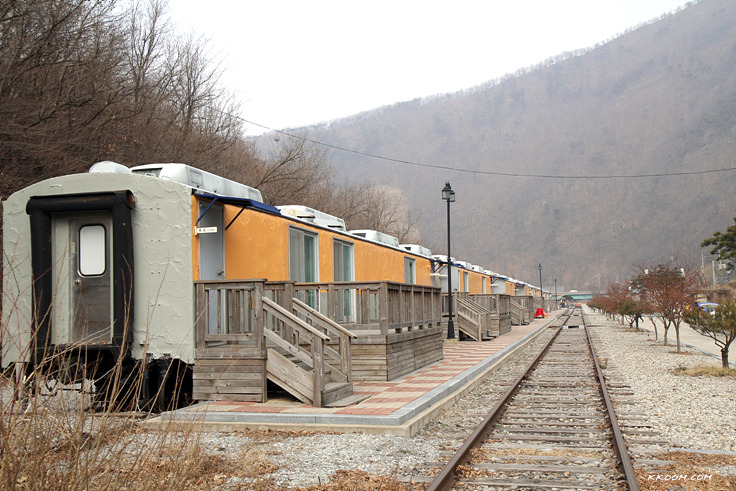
{"x":472,"y":318}
{"x":303,"y":331}
{"x":229,"y":312}
{"x":497,"y":303}
{"x":527,"y":302}
{"x":386,"y":307}
{"x":237,"y":314}
{"x":340,"y":359}
{"x":303,"y":342}
{"x":519,"y":313}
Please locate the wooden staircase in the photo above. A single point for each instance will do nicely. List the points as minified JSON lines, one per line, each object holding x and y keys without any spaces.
{"x":474,"y":320}
{"x":244,"y":339}
{"x":519,"y":314}
{"x":308,"y":355}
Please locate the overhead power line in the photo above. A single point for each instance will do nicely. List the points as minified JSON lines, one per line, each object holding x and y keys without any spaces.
{"x":487,"y":172}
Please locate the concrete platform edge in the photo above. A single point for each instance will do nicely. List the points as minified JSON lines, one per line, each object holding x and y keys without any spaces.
{"x":406,"y":421}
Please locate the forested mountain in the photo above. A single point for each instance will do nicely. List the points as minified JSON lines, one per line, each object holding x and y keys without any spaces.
{"x":541,"y":158}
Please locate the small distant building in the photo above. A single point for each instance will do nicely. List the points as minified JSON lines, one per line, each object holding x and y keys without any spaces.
{"x":576,"y":297}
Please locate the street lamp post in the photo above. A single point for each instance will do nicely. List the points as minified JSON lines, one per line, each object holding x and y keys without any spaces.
{"x":556,"y":294}
{"x":449,"y":195}
{"x":540,"y":281}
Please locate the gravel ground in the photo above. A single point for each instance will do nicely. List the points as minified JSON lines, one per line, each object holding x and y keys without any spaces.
{"x":311,"y":459}
{"x":690,"y":412}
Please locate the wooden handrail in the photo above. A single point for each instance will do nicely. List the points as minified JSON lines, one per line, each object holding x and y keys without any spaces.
{"x":343,"y":355}
{"x":316,"y":341}
{"x":330,"y":325}
{"x":386,"y":306}
{"x":284,"y":315}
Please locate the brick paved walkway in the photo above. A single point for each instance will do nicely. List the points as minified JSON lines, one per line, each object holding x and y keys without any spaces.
{"x":388,"y":397}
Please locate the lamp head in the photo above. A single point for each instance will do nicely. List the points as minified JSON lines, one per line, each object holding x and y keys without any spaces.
{"x":447,"y":193}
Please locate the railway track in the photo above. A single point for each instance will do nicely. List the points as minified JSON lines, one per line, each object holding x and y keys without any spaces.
{"x":553,"y":428}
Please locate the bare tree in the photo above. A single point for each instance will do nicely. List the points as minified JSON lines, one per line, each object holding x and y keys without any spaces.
{"x":82,"y":81}
{"x":295,"y":171}
{"x":148,"y":37}
{"x":616,"y":295}
{"x":59,"y":86}
{"x":205,"y":114}
{"x":668,"y":288}
{"x":387,"y":209}
{"x":720,"y":326}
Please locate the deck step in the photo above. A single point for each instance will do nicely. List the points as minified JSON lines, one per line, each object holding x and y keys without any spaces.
{"x":335,"y":391}
{"x":348,"y":401}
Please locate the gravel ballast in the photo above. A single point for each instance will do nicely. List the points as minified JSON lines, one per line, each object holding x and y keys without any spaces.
{"x":690,"y":412}
{"x":693,"y":413}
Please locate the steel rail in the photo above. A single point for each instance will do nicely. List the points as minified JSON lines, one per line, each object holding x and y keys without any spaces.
{"x":619,"y":444}
{"x":448,"y":476}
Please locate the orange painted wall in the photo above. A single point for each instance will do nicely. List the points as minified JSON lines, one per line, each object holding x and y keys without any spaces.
{"x":257,"y":246}
{"x":475,"y":282}
{"x":424,"y":271}
{"x":374,"y":262}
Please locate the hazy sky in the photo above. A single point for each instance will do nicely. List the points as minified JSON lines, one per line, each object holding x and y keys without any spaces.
{"x":300,"y":62}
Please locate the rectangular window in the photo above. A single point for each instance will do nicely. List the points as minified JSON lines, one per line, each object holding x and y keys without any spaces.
{"x":303,"y":261}
{"x":343,"y":270}
{"x":92,"y":250}
{"x":466,"y":281}
{"x":410,"y":272}
{"x":302,"y":256}
{"x":342,"y":260}
{"x":484,"y":285}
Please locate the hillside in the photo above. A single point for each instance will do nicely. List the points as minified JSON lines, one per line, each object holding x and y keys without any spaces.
{"x":660,"y":99}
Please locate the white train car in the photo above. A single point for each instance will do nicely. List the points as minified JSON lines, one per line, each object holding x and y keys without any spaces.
{"x":87,"y":257}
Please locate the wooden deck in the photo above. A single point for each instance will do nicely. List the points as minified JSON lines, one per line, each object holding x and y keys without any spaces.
{"x":315,"y":339}
{"x":482,"y":316}
{"x":397,"y":326}
{"x":251,"y":331}
{"x":230,"y":358}
{"x":244,"y":339}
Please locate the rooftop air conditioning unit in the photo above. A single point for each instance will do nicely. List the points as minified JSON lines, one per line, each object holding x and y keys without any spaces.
{"x":313,"y":216}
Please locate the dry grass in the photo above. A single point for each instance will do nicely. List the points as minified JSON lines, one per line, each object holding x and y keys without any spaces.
{"x":213,"y":471}
{"x":705,"y":371}
{"x":345,"y":480}
{"x":53,"y":442}
{"x":688,"y":472}
{"x":51,"y":437}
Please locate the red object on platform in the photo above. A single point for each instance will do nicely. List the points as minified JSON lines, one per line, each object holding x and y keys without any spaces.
{"x":540,"y":314}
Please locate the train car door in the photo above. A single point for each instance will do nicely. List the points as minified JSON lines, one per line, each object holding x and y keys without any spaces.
{"x":211,"y":243}
{"x":82,"y":262}
{"x":210,"y":230}
{"x":90,"y":279}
